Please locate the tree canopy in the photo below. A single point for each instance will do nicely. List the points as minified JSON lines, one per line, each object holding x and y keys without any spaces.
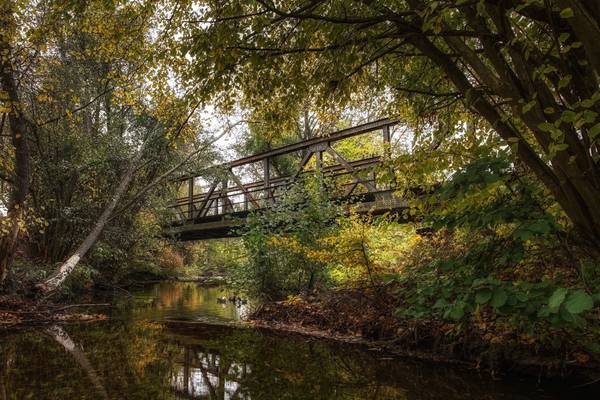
{"x":524,"y":74}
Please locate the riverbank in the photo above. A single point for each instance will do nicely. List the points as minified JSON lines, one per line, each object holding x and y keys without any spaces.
{"x":17,"y":310}
{"x":369,"y":316}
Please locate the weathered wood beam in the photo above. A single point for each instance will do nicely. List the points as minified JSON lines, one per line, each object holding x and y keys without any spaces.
{"x":267,"y":179}
{"x":294,"y":147}
{"x":303,"y":163}
{"x":351,"y":189}
{"x":337,"y":156}
{"x":204,"y":204}
{"x":227,"y":206}
{"x":239,"y":183}
{"x":191,"y":198}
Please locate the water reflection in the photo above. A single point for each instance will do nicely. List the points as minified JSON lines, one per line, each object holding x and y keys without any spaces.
{"x":132,"y":358}
{"x":62,"y":337}
{"x":187,"y":301}
{"x":205,"y":375}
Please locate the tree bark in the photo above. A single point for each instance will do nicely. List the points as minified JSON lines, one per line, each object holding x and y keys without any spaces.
{"x":18,"y":127}
{"x":565,"y":188}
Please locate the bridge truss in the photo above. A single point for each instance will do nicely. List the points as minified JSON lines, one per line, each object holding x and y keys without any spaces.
{"x":219,"y":209}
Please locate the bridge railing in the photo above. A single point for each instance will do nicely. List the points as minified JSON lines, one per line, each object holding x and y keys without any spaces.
{"x":227,"y":194}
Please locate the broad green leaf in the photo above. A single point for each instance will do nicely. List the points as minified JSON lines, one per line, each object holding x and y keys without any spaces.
{"x":527,"y":107}
{"x":578,"y":302}
{"x":594,"y":131}
{"x":483,"y":296}
{"x":457,"y":311}
{"x":499,"y":298}
{"x":557,"y":298}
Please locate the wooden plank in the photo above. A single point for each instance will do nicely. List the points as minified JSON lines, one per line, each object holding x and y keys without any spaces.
{"x":349,"y":191}
{"x":227,"y":207}
{"x":335,"y":136}
{"x":386,"y":134}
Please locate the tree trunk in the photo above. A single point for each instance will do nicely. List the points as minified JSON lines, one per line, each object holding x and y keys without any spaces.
{"x":68,"y":266}
{"x":575,"y":193}
{"x":18,"y":128}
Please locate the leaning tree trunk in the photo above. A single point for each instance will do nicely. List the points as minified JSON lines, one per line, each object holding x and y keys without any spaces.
{"x":570,"y":173}
{"x":68,"y":266}
{"x":18,"y":127}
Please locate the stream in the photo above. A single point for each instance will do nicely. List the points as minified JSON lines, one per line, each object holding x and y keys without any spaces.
{"x":175,"y":340}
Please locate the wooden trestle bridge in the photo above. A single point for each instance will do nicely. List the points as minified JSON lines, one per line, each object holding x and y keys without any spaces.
{"x":219,"y":210}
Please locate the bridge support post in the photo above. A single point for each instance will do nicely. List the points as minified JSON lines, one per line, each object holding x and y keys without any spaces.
{"x":190,"y":199}
{"x":267,"y":180}
{"x":226,"y":205}
{"x":386,"y":137}
{"x":319,"y":159}
{"x":387,"y":154}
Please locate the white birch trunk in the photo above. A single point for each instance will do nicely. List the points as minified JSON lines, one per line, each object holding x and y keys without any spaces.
{"x":68,"y":266}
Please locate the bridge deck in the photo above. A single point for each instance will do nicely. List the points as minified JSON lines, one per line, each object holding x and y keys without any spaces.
{"x":229,"y":225}
{"x":220,"y":210}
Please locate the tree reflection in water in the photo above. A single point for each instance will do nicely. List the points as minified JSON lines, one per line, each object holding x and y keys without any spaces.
{"x":131,"y":358}
{"x":180,"y":360}
{"x":186,"y":301}
{"x":246,"y":364}
{"x":205,"y":375}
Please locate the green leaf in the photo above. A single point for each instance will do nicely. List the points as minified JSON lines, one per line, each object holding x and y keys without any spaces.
{"x":499,"y":298}
{"x":566,"y":316}
{"x":589,"y":116}
{"x":548,"y":110}
{"x":546,"y":126}
{"x":527,"y":107}
{"x":557,"y":298}
{"x":578,"y":302}
{"x":594,"y":131}
{"x":483,"y":296}
{"x":567,"y":13}
{"x":540,"y":226}
{"x":457,"y":311}
{"x":564,"y":81}
{"x":559,"y":147}
{"x":569,"y":116}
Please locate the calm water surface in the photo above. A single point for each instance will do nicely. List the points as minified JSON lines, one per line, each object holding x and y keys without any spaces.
{"x":158,"y":345}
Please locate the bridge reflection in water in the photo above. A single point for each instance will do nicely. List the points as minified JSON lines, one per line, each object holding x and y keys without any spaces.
{"x":133,"y":357}
{"x":218,"y":209}
{"x":204,"y":375}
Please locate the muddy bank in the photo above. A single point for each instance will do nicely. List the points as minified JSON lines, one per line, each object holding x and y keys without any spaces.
{"x":367,"y":316}
{"x":17,"y":310}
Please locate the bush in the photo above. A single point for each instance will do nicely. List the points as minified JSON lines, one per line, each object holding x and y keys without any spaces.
{"x":275,"y":239}
{"x":170,"y":259}
{"x":498,"y":255}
